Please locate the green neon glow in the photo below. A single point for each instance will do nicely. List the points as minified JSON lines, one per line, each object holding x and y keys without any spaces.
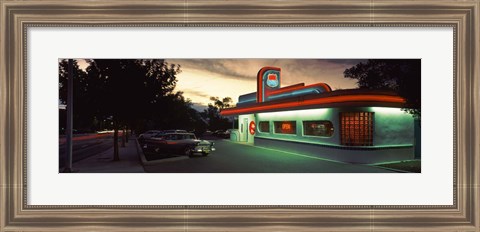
{"x":387,"y":110}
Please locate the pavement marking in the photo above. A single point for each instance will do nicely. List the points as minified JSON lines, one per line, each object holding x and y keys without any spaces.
{"x":295,"y":154}
{"x":391,"y":162}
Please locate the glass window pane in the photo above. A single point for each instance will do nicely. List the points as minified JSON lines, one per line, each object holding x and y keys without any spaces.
{"x":264,"y":126}
{"x":318,"y":128}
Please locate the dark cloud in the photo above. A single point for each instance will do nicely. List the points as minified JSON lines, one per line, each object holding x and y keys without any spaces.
{"x":294,"y":71}
{"x":350,"y":62}
{"x":196,"y":93}
{"x":225,"y":67}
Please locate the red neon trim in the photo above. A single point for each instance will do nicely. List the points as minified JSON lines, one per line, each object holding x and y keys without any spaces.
{"x":325,"y":86}
{"x":260,"y":80}
{"x":286,"y":88}
{"x":328,"y":86}
{"x":326,"y":100}
{"x":283,"y":90}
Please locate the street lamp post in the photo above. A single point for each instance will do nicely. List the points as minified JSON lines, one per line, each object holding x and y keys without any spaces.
{"x":69,"y":129}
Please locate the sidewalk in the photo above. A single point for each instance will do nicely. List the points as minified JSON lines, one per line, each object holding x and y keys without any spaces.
{"x":103,"y":163}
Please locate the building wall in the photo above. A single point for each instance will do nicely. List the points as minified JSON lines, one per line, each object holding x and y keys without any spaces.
{"x":392,"y":126}
{"x":393,"y":136}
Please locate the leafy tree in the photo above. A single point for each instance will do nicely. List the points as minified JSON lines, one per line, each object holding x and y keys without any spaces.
{"x":82,"y":114}
{"x":400,"y":75}
{"x":131,"y":89}
{"x":223,"y":103}
{"x":124,"y":91}
{"x":177,"y":113}
{"x":212,"y":113}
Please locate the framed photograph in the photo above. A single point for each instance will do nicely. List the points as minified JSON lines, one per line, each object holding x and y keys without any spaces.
{"x":239,"y":116}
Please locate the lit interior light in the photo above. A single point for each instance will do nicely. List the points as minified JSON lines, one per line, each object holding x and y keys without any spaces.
{"x":294,"y":113}
{"x":387,"y":110}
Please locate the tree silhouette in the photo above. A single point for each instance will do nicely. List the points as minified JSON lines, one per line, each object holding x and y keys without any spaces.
{"x":82,"y":114}
{"x":131,"y":89}
{"x":226,"y":102}
{"x":175,"y":112}
{"x":212,"y":113}
{"x":125,"y":91}
{"x":400,"y":75}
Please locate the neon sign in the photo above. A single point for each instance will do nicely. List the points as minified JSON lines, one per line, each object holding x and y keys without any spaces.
{"x":286,"y":126}
{"x":251,"y":127}
{"x":272,"y":80}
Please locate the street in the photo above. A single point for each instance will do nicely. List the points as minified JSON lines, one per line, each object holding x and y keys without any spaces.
{"x":84,"y":146}
{"x":232,"y":157}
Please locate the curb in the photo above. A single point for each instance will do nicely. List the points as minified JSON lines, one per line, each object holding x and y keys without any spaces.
{"x":141,"y":156}
{"x":166,"y":160}
{"x":145,"y":162}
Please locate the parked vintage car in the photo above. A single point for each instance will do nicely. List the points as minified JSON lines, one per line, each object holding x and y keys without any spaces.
{"x":147,"y":135}
{"x":174,"y":131}
{"x":226,"y":135}
{"x":222,"y":134}
{"x":179,"y":143}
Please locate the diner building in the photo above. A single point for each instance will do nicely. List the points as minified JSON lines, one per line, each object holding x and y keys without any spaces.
{"x":354,"y":125}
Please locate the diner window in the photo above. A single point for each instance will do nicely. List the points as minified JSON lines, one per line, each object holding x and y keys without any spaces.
{"x":285,"y":127}
{"x":264,"y":126}
{"x":318,"y":128}
{"x":356,"y":128}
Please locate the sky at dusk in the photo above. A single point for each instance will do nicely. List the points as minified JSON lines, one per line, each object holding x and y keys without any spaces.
{"x":202,"y":78}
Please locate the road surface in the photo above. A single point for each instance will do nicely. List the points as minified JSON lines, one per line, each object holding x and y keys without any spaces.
{"x":232,"y":157}
{"x":84,"y":146}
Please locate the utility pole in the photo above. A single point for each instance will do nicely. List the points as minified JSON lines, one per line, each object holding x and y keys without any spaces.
{"x":69,"y":130}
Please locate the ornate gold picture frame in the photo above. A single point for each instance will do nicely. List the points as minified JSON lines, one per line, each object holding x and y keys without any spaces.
{"x":17,"y":16}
